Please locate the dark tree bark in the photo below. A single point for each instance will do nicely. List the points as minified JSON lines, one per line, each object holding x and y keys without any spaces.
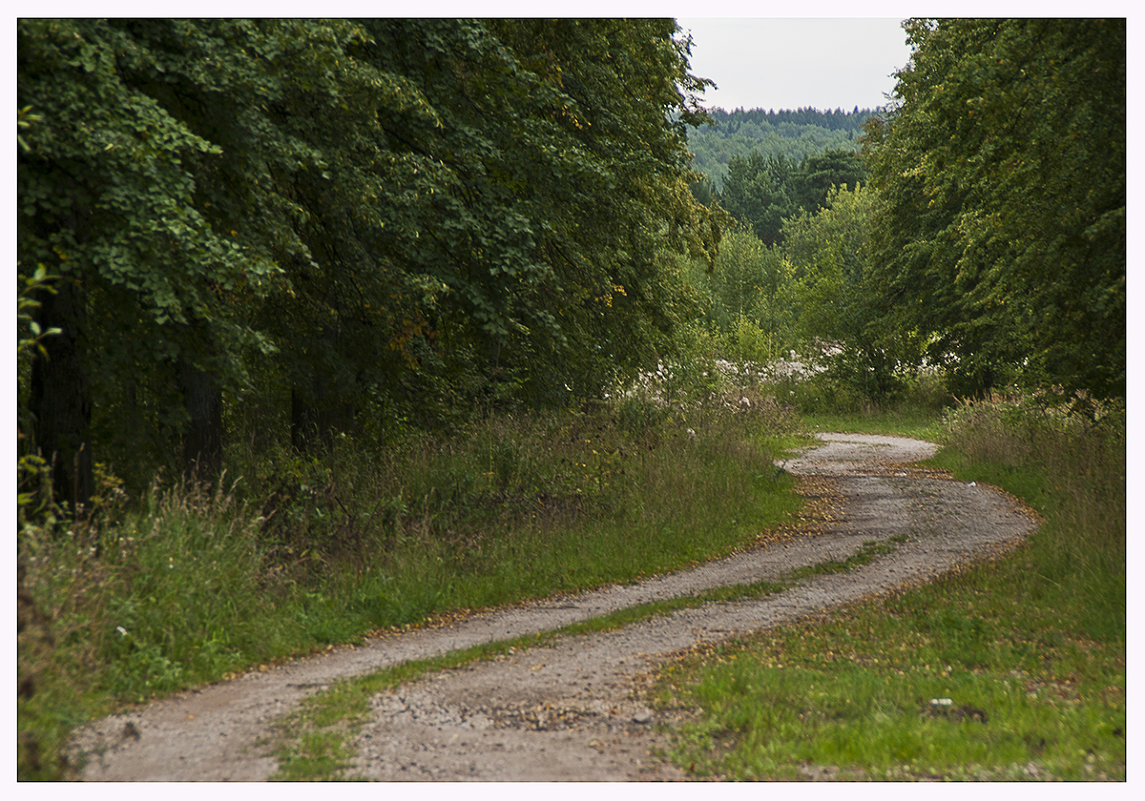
{"x":61,"y":398}
{"x":203,"y":440}
{"x":316,"y":415}
{"x":318,"y":405}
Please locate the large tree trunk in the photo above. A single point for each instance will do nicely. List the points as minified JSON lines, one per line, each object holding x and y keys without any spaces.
{"x":203,"y":440}
{"x":316,"y":415}
{"x":318,"y":405}
{"x":61,"y":398}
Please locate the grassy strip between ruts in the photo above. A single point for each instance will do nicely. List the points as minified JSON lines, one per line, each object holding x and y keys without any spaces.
{"x":315,"y":742}
{"x":1009,"y":670}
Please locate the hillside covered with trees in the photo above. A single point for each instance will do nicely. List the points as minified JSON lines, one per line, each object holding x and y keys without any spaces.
{"x":790,"y":135}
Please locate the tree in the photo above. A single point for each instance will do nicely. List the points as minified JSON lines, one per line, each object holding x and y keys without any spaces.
{"x":748,"y":297}
{"x":837,"y":293}
{"x":790,"y":134}
{"x":759,"y":192}
{"x":819,"y":173}
{"x":335,"y":223}
{"x":763,"y":192}
{"x":1000,"y":230}
{"x":575,"y":189}
{"x":107,"y":202}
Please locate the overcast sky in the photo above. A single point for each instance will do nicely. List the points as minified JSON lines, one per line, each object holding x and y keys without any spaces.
{"x":793,"y":63}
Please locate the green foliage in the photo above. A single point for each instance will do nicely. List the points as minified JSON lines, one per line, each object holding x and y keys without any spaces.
{"x":746,"y":341}
{"x":1000,"y":231}
{"x":837,"y":296}
{"x":34,"y":498}
{"x":821,"y":173}
{"x":31,"y":340}
{"x":814,"y":294}
{"x":915,"y":409}
{"x":748,"y":298}
{"x":107,"y":186}
{"x":764,"y":192}
{"x":767,"y":299}
{"x":825,"y":251}
{"x":759,"y":192}
{"x":336,"y":222}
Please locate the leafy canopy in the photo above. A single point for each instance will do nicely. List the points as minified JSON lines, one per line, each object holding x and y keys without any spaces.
{"x":1000,"y":229}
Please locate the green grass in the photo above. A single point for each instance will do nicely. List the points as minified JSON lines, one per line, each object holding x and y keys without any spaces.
{"x":1030,"y":649}
{"x":186,"y":587}
{"x":853,"y":693}
{"x":314,"y":743}
{"x":828,"y":403}
{"x":917,"y":424}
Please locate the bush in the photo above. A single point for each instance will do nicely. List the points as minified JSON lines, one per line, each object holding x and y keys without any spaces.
{"x":135,"y":603}
{"x":746,"y":342}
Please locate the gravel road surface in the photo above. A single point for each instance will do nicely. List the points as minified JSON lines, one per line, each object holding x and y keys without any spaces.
{"x":572,"y":711}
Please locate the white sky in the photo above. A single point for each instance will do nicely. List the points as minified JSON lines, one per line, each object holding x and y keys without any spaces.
{"x":766,"y":54}
{"x":777,"y":63}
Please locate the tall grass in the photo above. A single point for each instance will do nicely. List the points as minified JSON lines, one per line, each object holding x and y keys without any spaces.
{"x":1010,"y":670}
{"x":185,"y":586}
{"x":176,"y":591}
{"x":1066,"y":457}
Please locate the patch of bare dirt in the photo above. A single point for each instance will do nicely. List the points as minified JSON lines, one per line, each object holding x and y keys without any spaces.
{"x":572,"y":711}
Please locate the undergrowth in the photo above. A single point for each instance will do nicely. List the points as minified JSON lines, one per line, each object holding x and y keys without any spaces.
{"x":914,"y":409}
{"x":188,"y":585}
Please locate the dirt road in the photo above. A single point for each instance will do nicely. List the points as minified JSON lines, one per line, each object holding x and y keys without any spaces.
{"x":572,"y":711}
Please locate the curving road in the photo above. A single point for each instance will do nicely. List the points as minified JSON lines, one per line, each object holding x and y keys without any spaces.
{"x":572,"y":711}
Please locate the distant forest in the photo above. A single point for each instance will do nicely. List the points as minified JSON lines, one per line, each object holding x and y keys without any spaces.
{"x":790,"y":135}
